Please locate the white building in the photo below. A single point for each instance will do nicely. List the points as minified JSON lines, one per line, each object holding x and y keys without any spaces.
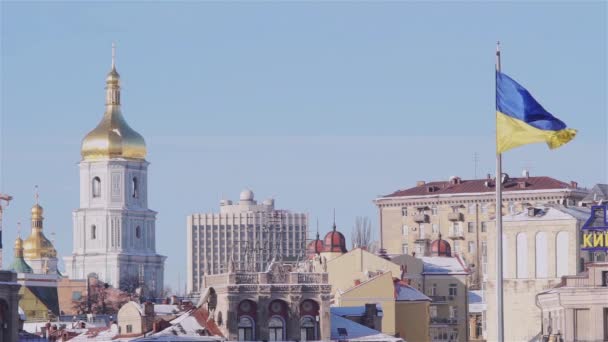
{"x":251,"y":234}
{"x":114,"y":230}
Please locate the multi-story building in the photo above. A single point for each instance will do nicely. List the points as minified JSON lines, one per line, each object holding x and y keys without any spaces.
{"x":540,"y":245}
{"x":280,"y":304}
{"x":251,"y":234}
{"x":576,"y":309}
{"x":114,"y":232}
{"x":461,"y":210}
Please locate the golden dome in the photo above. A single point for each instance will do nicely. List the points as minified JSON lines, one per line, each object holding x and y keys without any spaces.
{"x":113,"y":137}
{"x":37,"y":246}
{"x":18,"y":243}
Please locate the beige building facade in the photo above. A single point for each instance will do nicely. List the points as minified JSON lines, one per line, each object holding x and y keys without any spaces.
{"x":461,"y":211}
{"x":577,"y":309}
{"x":540,"y":245}
{"x":251,"y":233}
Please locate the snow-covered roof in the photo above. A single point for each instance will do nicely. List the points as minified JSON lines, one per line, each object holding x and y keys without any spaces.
{"x":172,"y":338}
{"x":477,"y":302}
{"x":345,"y":329}
{"x":442,"y":265}
{"x":190,"y":323}
{"x":165,"y":309}
{"x":553,"y":212}
{"x":406,"y":293}
{"x":353,"y":311}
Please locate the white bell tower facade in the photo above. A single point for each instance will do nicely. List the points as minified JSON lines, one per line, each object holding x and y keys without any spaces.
{"x":114,"y":230}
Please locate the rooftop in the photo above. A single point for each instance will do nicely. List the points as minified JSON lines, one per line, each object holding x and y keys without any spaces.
{"x":486,"y":185}
{"x":443,"y":265}
{"x":345,"y":329}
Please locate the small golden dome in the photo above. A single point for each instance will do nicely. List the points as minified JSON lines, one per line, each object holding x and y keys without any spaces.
{"x":18,"y":243}
{"x":37,"y":246}
{"x":113,"y":137}
{"x":37,"y":212}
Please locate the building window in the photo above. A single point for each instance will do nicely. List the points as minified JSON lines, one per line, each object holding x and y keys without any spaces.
{"x":135,"y":187}
{"x":434,"y":210}
{"x":406,"y":230}
{"x":246,"y":329}
{"x":404,"y":211}
{"x":471,"y":209}
{"x":435,"y":228}
{"x":542,"y":255}
{"x":275,"y":329}
{"x":404,"y":248}
{"x":471,"y":227}
{"x":93,"y":232}
{"x":307,"y":329}
{"x":511,"y":208}
{"x":422,"y":232}
{"x":471,"y":247}
{"x":137,"y":232}
{"x":521,"y":252}
{"x":562,"y":255}
{"x":484,"y":208}
{"x":129,"y":328}
{"x":456,"y":247}
{"x":433,"y":290}
{"x":484,"y":227}
{"x":453,"y":290}
{"x":453,"y":312}
{"x":433,"y":311}
{"x":96,"y":187}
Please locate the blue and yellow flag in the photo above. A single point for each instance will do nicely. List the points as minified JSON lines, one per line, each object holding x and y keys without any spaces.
{"x":520,"y":120}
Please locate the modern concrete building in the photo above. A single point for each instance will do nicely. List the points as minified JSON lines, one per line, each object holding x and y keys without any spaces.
{"x":251,"y":233}
{"x":577,"y":308}
{"x":281,"y":304}
{"x":114,"y":231}
{"x":461,"y":211}
{"x":540,"y":245}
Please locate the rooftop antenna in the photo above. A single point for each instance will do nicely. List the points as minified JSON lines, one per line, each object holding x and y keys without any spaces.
{"x":475,"y":161}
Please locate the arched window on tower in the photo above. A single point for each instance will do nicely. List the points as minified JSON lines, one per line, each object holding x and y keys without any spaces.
{"x":137,"y":232}
{"x":93,"y":232}
{"x":135,"y":187}
{"x":96,"y":187}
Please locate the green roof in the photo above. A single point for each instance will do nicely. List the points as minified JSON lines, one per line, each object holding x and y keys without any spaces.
{"x":20,"y":266}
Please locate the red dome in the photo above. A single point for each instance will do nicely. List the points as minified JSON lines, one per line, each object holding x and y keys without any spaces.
{"x":314,"y":247}
{"x":441,"y":247}
{"x":334,"y":241}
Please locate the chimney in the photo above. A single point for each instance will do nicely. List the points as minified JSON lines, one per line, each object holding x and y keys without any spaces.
{"x":574,"y":185}
{"x":420,"y":183}
{"x":525,"y":173}
{"x":371,"y":311}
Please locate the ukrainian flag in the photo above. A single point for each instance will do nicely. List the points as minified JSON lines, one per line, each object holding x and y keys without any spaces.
{"x":520,"y":120}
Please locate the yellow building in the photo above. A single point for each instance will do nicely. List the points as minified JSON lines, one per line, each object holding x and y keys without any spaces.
{"x":405,"y":309}
{"x":461,"y":211}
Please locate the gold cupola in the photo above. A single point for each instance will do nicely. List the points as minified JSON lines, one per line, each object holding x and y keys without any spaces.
{"x":113,"y":137}
{"x":37,"y":246}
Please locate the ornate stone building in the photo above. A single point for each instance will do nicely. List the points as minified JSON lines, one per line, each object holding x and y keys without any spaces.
{"x":114,"y":232}
{"x":280,"y":304}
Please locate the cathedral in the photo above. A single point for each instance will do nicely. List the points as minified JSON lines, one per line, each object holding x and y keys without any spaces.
{"x":114,"y":230}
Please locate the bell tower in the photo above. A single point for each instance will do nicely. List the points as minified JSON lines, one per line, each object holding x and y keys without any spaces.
{"x":114,"y":231}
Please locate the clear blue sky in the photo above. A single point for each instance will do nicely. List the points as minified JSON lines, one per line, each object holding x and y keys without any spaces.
{"x":322,"y":105}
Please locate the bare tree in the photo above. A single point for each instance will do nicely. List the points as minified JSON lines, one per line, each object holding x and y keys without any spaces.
{"x":100,"y":299}
{"x":362,"y":235}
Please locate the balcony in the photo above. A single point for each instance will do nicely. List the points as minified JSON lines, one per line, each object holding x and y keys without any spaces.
{"x":423,"y":237}
{"x":439,"y":299}
{"x":456,"y":233}
{"x":442,"y":320}
{"x":421,"y":218}
{"x":455,"y":217}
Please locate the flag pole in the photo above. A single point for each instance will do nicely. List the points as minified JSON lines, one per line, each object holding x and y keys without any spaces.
{"x":498,"y":213}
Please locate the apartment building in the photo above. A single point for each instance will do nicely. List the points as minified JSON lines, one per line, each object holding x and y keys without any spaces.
{"x":461,"y":211}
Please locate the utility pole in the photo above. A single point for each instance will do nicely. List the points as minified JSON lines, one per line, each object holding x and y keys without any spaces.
{"x":7,"y":199}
